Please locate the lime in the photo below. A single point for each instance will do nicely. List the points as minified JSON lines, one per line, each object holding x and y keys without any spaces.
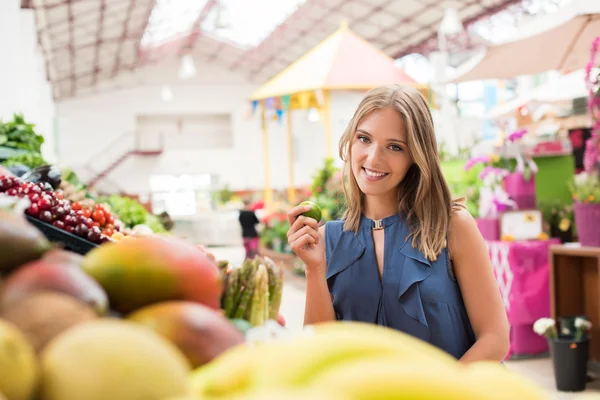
{"x":314,"y":212}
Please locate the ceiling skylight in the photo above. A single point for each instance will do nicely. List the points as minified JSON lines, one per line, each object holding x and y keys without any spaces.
{"x":242,"y":22}
{"x":505,"y":24}
{"x":247,"y":23}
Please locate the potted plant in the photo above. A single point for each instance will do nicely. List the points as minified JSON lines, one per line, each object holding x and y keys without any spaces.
{"x":569,"y":352}
{"x":586,"y":185}
{"x":559,"y":218}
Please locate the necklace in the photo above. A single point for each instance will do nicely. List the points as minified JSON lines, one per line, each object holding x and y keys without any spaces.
{"x":377,"y":224}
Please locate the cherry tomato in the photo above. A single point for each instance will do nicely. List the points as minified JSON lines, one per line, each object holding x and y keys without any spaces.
{"x":109,"y":226}
{"x":96,"y":224}
{"x":87,"y":213}
{"x":100,"y":207}
{"x":109,"y":218}
{"x":59,"y":195}
{"x":98,"y":215}
{"x":108,"y":232}
{"x":76,"y":206}
{"x":102,"y":221}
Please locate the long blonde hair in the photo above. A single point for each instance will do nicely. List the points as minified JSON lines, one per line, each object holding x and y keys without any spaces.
{"x":424,"y":195}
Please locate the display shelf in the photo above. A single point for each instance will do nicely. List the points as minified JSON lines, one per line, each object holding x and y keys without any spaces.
{"x":68,"y":240}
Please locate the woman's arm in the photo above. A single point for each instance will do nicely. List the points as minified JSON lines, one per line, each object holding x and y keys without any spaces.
{"x":318,"y":307}
{"x":473,"y":270}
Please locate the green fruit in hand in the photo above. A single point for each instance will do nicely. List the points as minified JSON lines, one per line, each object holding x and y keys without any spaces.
{"x":314,"y":212}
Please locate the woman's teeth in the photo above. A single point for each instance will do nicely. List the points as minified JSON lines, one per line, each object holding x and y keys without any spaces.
{"x":374,"y":174}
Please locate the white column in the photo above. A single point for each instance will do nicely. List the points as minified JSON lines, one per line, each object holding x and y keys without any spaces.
{"x":10,"y":67}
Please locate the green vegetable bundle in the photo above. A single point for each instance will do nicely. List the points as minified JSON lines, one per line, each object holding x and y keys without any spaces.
{"x":132,"y":213}
{"x":18,"y":134}
{"x":253,"y":291}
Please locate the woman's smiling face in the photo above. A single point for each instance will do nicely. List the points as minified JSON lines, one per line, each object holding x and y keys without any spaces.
{"x":380,"y":156}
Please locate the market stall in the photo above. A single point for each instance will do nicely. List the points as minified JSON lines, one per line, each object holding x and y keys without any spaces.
{"x":308,"y":83}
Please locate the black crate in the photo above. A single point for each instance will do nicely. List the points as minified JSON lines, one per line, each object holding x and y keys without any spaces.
{"x":69,"y":241}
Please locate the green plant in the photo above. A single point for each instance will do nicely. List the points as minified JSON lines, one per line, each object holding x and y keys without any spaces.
{"x":557,"y":214}
{"x":30,"y":160}
{"x":586,"y":187}
{"x":274,"y":231}
{"x":223,"y":195}
{"x":322,"y":176}
{"x":19,"y":134}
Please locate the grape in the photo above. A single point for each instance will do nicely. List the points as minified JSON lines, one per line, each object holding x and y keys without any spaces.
{"x":45,"y":203}
{"x":81,"y":230}
{"x":70,"y":220}
{"x":33,"y":210}
{"x":46,"y":216}
{"x":59,"y":224}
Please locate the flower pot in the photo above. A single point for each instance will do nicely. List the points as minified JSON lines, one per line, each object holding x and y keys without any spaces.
{"x":489,"y":228}
{"x":520,"y":190}
{"x":569,"y":359}
{"x":563,"y":236}
{"x":587,"y":221}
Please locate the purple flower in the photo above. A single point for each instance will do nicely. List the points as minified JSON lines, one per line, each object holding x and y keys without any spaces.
{"x":517,"y":135}
{"x":476,"y":160}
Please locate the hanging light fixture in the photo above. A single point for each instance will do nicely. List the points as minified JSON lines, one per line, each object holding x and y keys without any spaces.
{"x":222,"y":17}
{"x":451,"y":23}
{"x":187,"y":69}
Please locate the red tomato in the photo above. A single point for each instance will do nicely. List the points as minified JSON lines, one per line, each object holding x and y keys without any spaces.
{"x":108,"y":232}
{"x":98,"y":215}
{"x":87,"y":213}
{"x":76,"y":206}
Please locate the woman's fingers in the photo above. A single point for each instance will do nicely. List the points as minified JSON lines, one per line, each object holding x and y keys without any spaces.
{"x":301,"y":222}
{"x":301,"y":242}
{"x":293,"y":214}
{"x":306,"y":230}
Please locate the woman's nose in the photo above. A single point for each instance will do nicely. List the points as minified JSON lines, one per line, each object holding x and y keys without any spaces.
{"x":374,"y":153}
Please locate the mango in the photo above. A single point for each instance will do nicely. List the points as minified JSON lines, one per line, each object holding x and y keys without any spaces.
{"x":199,"y":332}
{"x":20,"y":371}
{"x":20,"y":242}
{"x":44,"y":315}
{"x":112,"y":359}
{"x":149,"y":270}
{"x":48,"y":275}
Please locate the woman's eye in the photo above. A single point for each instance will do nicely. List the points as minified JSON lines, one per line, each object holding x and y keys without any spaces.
{"x":363,"y":139}
{"x":394,"y":147}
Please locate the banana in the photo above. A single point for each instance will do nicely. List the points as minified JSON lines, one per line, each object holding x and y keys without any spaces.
{"x":227,"y":375}
{"x":289,"y":363}
{"x":259,"y":309}
{"x":391,"y":378}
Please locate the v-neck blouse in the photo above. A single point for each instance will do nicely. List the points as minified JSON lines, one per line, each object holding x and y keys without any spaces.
{"x":413,"y":295}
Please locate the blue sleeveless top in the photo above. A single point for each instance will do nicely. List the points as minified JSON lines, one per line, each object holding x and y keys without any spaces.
{"x":414,"y":295}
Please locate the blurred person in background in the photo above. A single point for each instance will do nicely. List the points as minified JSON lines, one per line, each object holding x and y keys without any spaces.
{"x":248,"y":222}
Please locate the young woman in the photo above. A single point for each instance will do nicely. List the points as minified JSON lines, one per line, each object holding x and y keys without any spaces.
{"x":404,"y":255}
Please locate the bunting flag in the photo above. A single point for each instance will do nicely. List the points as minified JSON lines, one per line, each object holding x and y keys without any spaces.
{"x":279,"y":114}
{"x":270,"y":103}
{"x":304,"y":100}
{"x":285,"y":102}
{"x":320,"y":97}
{"x":254,"y":106}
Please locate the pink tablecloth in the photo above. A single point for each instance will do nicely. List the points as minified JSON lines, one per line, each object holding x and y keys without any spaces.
{"x":522,"y":272}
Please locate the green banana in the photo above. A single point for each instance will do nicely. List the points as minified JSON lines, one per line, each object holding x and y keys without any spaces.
{"x":232,"y":287}
{"x":260,"y":298}
{"x":245,"y":294}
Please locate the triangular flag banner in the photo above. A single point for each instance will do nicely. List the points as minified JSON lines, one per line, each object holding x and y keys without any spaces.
{"x":285,"y":102}
{"x":320,"y":97}
{"x":277,"y":103}
{"x":279,"y":116}
{"x":304,"y":99}
{"x":269,"y":103}
{"x":254,"y":105}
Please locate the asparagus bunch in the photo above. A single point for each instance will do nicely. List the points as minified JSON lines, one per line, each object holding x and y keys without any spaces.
{"x":253,"y":291}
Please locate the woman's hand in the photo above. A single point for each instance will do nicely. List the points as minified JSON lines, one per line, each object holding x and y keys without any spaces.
{"x":304,"y":238}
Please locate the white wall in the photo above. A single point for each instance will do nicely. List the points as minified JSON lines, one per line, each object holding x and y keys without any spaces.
{"x":88,"y":123}
{"x":23,"y":83}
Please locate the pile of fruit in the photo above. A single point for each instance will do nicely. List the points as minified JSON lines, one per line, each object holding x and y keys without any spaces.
{"x":95,"y":224}
{"x":151,"y":306}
